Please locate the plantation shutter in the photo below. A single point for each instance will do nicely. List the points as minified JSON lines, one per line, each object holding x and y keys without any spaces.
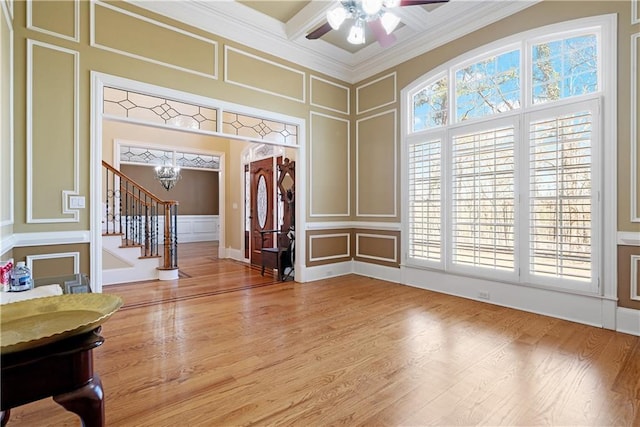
{"x":560,"y":196}
{"x":483,"y":199}
{"x":424,"y":165}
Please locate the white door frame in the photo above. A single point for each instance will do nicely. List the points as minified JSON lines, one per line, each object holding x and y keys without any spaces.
{"x":99,"y":80}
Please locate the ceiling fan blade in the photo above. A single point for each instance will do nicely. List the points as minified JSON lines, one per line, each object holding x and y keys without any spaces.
{"x":417,"y":2}
{"x":319,"y":32}
{"x":383,"y":38}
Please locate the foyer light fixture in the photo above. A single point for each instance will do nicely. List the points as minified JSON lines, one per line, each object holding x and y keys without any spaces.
{"x":168,"y":176}
{"x":361,"y":12}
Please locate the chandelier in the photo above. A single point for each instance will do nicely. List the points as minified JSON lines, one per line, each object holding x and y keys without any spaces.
{"x":372,"y":12}
{"x":168,"y":176}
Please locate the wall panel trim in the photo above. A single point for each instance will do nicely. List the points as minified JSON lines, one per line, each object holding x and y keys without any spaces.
{"x":377,"y":236}
{"x":635,"y":12}
{"x":633,"y":282}
{"x":394,"y":213}
{"x":76,"y":23}
{"x":51,"y":238}
{"x":8,"y":14}
{"x":348,"y":157}
{"x":93,"y":42}
{"x":228,"y":80}
{"x":312,"y":77}
{"x":76,"y":144}
{"x":74,"y":255}
{"x":628,"y":238}
{"x":634,"y":172}
{"x":395,"y":93}
{"x":326,"y":236}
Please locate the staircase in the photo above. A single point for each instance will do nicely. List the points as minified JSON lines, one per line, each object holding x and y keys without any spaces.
{"x":138,"y":232}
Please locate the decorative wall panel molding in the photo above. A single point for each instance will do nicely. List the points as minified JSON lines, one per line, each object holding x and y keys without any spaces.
{"x":329,"y":166}
{"x":344,"y":240}
{"x":329,"y":95}
{"x":628,"y":238}
{"x":253,"y":72}
{"x":634,"y":280}
{"x":52,"y":121}
{"x":635,"y":12}
{"x":376,"y":165}
{"x":9,"y":5}
{"x":635,"y":133}
{"x":60,"y":255}
{"x":137,"y":35}
{"x":7,"y":136}
{"x":61,"y":17}
{"x":364,"y":250}
{"x":376,"y":94}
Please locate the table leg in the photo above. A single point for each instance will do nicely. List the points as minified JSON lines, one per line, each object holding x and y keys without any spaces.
{"x":4,"y":417}
{"x":87,"y":402}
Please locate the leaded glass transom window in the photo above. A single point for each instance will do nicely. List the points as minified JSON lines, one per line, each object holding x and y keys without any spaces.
{"x":159,"y":110}
{"x":151,"y":156}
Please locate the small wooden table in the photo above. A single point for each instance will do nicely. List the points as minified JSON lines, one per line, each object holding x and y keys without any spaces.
{"x":63,"y":370}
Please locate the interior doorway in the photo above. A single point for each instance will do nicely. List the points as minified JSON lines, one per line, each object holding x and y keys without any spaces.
{"x":231,"y":244}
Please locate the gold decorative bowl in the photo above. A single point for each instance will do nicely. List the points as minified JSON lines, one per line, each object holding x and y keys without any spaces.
{"x":40,"y":321}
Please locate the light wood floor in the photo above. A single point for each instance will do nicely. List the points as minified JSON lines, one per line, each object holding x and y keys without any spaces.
{"x":228,"y":347}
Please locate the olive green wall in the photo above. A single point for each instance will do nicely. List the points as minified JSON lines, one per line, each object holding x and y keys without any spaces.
{"x":6,"y":191}
{"x":356,"y":124}
{"x":53,"y":62}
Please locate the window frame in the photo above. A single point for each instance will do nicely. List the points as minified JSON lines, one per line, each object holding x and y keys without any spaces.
{"x":603,"y":232}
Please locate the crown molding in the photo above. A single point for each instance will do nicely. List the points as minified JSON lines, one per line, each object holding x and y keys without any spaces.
{"x":241,"y":24}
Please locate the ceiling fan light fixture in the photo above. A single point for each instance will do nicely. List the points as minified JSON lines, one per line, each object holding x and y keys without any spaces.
{"x":371,"y":7}
{"x":356,"y":35}
{"x":336,"y":17}
{"x":391,"y":3}
{"x":389,"y":22}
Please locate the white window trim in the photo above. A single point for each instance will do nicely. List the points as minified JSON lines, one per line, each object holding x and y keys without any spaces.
{"x":605,"y":172}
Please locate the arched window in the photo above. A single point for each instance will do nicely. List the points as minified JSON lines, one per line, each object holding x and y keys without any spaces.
{"x":502,"y":160}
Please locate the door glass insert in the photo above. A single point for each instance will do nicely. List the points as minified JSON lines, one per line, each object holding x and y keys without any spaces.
{"x":262,"y":201}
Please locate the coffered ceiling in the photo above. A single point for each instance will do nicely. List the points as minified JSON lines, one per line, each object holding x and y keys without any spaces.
{"x":280,"y":27}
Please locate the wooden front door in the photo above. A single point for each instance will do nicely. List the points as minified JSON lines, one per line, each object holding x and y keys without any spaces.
{"x":262,"y":206}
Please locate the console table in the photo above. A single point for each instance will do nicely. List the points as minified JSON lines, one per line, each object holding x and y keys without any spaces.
{"x":62,"y":370}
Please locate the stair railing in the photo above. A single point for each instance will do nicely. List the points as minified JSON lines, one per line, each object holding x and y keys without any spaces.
{"x":140,"y":217}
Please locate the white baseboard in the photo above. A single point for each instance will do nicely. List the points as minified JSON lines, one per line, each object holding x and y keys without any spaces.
{"x":235,"y":254}
{"x":328,"y":270}
{"x":585,"y":309}
{"x":390,"y":274}
{"x":628,"y":321}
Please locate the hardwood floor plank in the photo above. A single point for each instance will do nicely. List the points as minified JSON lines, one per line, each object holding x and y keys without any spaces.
{"x":227,"y":346}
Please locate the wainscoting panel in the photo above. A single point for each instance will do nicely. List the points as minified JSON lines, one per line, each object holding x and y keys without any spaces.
{"x":148,"y":40}
{"x":55,"y":18}
{"x":329,"y":95}
{"x":376,"y":94}
{"x":325,"y":247}
{"x":253,"y":72}
{"x":54,"y":264}
{"x":52,"y":121}
{"x":378,"y":247}
{"x":629,"y":277}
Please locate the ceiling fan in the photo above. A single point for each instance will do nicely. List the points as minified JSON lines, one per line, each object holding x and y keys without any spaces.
{"x":375,"y":13}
